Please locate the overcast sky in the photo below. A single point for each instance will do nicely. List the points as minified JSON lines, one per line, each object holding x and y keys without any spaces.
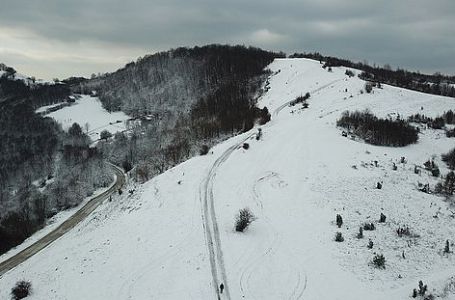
{"x":62,"y":38}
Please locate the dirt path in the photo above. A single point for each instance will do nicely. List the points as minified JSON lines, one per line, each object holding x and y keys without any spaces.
{"x":66,"y":226}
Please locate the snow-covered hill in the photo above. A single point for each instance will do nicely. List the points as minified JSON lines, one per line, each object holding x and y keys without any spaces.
{"x":174,"y":238}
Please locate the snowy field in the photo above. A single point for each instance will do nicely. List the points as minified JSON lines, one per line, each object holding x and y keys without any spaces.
{"x":153,"y":244}
{"x":89,"y":110}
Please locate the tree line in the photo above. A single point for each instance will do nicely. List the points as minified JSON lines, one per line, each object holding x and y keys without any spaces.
{"x":436,"y":84}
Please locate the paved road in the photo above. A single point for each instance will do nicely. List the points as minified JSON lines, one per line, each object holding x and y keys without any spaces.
{"x":66,"y":226}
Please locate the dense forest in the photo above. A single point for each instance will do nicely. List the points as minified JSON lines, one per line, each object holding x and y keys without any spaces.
{"x":437,"y":84}
{"x":183,"y":99}
{"x":42,"y":169}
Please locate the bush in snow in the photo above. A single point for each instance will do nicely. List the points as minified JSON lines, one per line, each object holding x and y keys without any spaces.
{"x":447,"y":247}
{"x":370,"y":244}
{"x":349,"y":73}
{"x":300,"y":99}
{"x":244,"y":219}
{"x":447,"y":186}
{"x":360,"y":234}
{"x":246,"y":146}
{"x":382,"y":218}
{"x":450,"y":133}
{"x":368,"y":87}
{"x":339,"y":220}
{"x":376,"y":131}
{"x":105,"y":135}
{"x":339,"y":237}
{"x":379,"y":261}
{"x":369,"y":226}
{"x":403,"y":231}
{"x":204,"y":150}
{"x":449,"y":159}
{"x":435,"y":172}
{"x":379,"y":185}
{"x":264,"y":116}
{"x":21,"y":290}
{"x":259,"y":134}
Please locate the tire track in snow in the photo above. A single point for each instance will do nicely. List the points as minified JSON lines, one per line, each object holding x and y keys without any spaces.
{"x":277,"y":111}
{"x":275,"y":242}
{"x":212,"y":234}
{"x":210,"y":225}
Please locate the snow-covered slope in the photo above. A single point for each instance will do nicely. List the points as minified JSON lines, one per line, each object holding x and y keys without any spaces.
{"x":88,"y":110}
{"x":156,"y":243}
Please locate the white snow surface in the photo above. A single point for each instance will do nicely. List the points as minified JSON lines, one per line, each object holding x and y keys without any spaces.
{"x":89,"y":110}
{"x":151,"y":245}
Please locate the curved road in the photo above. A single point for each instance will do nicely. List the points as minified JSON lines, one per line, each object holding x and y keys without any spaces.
{"x":66,"y":226}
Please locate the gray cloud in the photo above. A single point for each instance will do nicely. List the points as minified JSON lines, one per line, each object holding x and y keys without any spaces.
{"x":51,"y":38}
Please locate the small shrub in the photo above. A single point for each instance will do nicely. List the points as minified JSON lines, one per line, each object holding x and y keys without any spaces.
{"x":259,"y":134}
{"x":244,"y":219}
{"x":394,"y":167}
{"x":447,"y":247}
{"x":382,"y":218}
{"x":105,"y":135}
{"x":416,"y":170}
{"x":449,"y":159}
{"x":339,"y":237}
{"x":21,"y":290}
{"x":379,"y":185}
{"x":370,"y":244}
{"x":360,"y":234}
{"x":368,"y":87}
{"x":447,"y":186}
{"x":403,"y":231}
{"x":204,"y":150}
{"x":450,"y":133}
{"x":264,"y":116}
{"x":422,"y":288}
{"x":369,"y":227}
{"x":246,"y":146}
{"x":339,"y":220}
{"x":301,"y":99}
{"x":379,"y":261}
{"x":349,"y":73}
{"x":435,"y":172}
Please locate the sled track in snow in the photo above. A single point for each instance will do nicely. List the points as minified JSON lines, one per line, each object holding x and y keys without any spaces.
{"x":212,"y":234}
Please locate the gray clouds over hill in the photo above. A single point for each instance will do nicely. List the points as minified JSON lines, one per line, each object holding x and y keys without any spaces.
{"x":62,"y":38}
